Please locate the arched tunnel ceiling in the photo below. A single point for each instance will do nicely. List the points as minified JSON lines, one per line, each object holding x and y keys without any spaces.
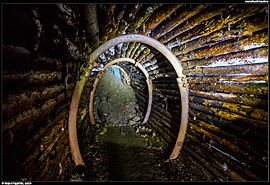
{"x":223,"y":49}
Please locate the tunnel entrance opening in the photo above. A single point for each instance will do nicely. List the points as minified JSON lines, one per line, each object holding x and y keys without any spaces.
{"x":115,"y":102}
{"x":99,"y":75}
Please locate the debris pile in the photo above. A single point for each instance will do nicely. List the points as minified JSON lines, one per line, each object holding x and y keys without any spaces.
{"x":115,"y":102}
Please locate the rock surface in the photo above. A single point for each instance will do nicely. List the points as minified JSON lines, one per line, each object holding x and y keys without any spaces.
{"x":115,"y":101}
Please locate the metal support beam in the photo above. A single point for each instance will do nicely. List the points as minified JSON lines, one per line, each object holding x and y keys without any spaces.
{"x":76,"y":155}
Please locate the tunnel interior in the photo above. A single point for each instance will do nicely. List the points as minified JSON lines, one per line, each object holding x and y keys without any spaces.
{"x":223,"y":52}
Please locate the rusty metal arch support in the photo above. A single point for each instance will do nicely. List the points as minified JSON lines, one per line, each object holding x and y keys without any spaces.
{"x":99,"y":75}
{"x":182,"y":84}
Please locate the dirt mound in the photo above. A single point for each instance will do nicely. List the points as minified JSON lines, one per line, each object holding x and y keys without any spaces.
{"x":115,"y":102}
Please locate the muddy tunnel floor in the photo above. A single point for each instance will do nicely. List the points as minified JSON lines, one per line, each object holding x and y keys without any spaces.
{"x":119,"y":148}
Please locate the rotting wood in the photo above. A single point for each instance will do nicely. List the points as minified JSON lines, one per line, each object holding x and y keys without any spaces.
{"x":150,"y":62}
{"x":229,"y":79}
{"x":165,"y":68}
{"x":254,"y":89}
{"x":147,"y":58}
{"x":252,"y":147}
{"x":232,"y":98}
{"x":167,"y":126}
{"x":158,"y":126}
{"x":181,"y":14}
{"x":32,"y":77}
{"x":152,"y":68}
{"x":193,"y":162}
{"x":108,"y":55}
{"x":163,"y":63}
{"x":244,"y":110}
{"x":170,"y":86}
{"x":252,"y":69}
{"x":245,"y":27}
{"x":260,"y":39}
{"x":136,"y":85}
{"x":111,"y":53}
{"x":208,"y":13}
{"x":89,"y":16}
{"x":142,"y":16}
{"x":159,"y":57}
{"x":242,"y":162}
{"x":137,"y":45}
{"x":118,"y":50}
{"x":162,"y":117}
{"x":236,"y":58}
{"x":226,"y":18}
{"x":128,"y":17}
{"x":56,"y":157}
{"x":164,"y":80}
{"x":169,"y":123}
{"x":158,"y":16}
{"x":34,"y":142}
{"x":208,"y":163}
{"x":99,"y":62}
{"x":25,"y":99}
{"x":130,"y":48}
{"x":105,"y":11}
{"x":185,"y":160}
{"x":247,"y":145}
{"x":227,"y":146}
{"x":28,"y":117}
{"x":172,"y":92}
{"x":55,"y":166}
{"x":118,"y":15}
{"x":48,"y":149}
{"x":140,"y":50}
{"x":167,"y":74}
{"x":153,"y":73}
{"x":114,"y":52}
{"x":230,"y":116}
{"x":124,"y":49}
{"x":143,"y":54}
{"x":103,"y":58}
{"x":227,"y":126}
{"x":161,"y":110}
{"x":234,"y":170}
{"x":140,"y":97}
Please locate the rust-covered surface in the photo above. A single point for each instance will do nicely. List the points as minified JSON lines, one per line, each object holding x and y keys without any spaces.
{"x":223,"y":49}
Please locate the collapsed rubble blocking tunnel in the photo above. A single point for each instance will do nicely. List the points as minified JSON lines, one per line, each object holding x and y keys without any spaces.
{"x":51,"y":65}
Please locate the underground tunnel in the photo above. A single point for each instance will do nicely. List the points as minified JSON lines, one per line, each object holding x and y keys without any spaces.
{"x":135,"y":92}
